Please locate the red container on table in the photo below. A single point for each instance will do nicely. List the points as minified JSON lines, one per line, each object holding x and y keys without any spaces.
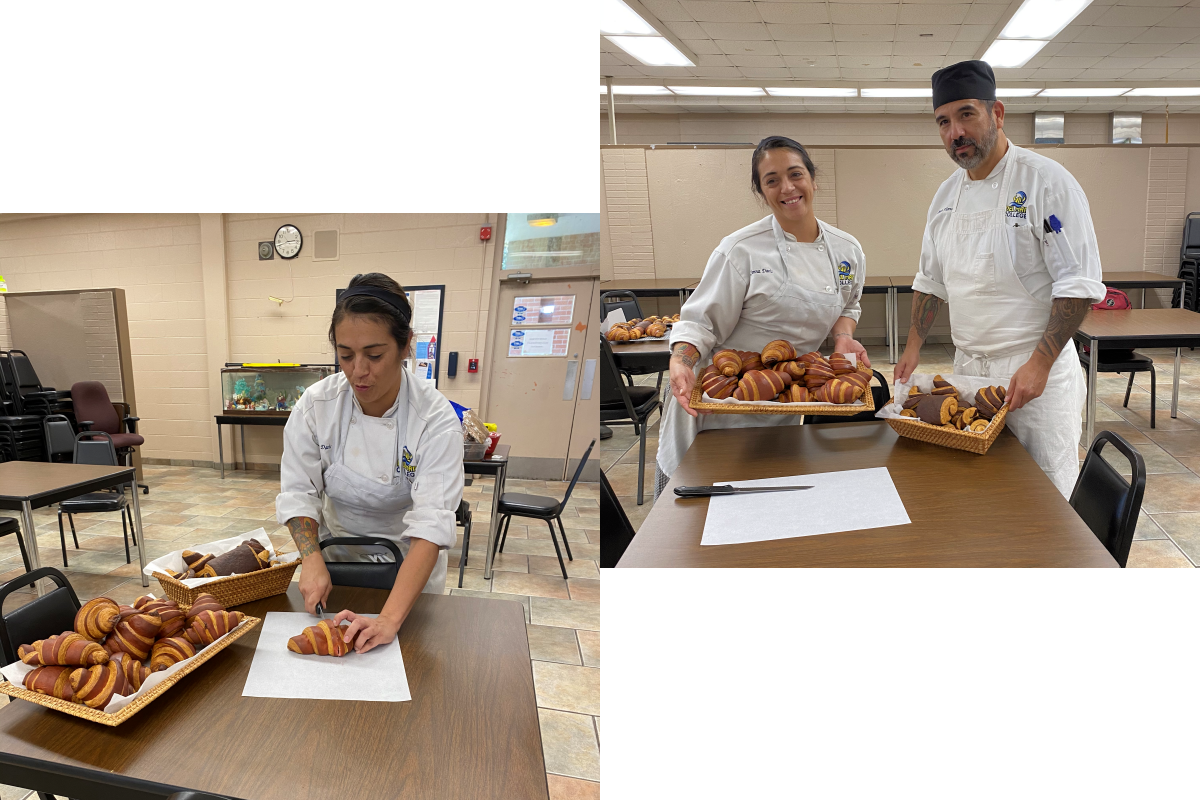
{"x":493,"y":439}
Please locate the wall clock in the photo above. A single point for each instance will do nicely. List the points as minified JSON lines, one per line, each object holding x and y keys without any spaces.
{"x":288,"y":241}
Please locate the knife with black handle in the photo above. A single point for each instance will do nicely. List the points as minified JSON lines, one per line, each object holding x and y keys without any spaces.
{"x":712,"y":491}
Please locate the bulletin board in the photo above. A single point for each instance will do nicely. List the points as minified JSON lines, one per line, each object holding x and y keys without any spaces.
{"x":425,"y":355}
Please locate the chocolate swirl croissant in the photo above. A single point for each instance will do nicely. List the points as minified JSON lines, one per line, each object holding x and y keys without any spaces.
{"x":208,"y":626}
{"x":322,"y":639}
{"x":204,"y":602}
{"x":841,"y":392}
{"x":793,"y":369}
{"x":857,"y":378}
{"x":729,"y":362}
{"x":817,"y":374}
{"x":172,"y":616}
{"x":840,"y":364}
{"x":97,"y":618}
{"x":937,"y":409}
{"x":813,"y":358}
{"x":988,"y":401}
{"x":135,"y":671}
{"x":778,"y":350}
{"x":68,"y":649}
{"x":716,"y":385}
{"x":96,"y":686}
{"x":134,"y":635}
{"x":942,"y":386}
{"x":169,"y":652}
{"x":796,"y":393}
{"x":758,"y":385}
{"x":54,"y":681}
{"x":751,"y":361}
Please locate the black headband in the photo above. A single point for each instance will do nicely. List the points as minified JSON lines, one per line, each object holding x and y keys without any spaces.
{"x":394,"y":300}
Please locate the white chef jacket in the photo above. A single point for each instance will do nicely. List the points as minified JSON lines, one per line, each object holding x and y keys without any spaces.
{"x":399,"y":476}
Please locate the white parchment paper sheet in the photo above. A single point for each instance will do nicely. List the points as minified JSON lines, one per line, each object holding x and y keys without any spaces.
{"x":839,"y":501}
{"x":377,"y":674}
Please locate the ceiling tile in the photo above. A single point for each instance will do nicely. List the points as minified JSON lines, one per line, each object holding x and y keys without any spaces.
{"x":800,"y":62}
{"x":933,"y":13}
{"x":703,"y":47}
{"x":794,"y":13}
{"x":973,"y":33}
{"x":1185,"y":17}
{"x":1184,"y":50}
{"x":800,"y":33}
{"x":870,"y":62}
{"x":1088,"y":49}
{"x":1055,"y":74}
{"x":817,"y":74}
{"x":715,"y":61}
{"x":859,"y":33}
{"x":1090,"y":14}
{"x":1150,"y":74}
{"x":624,"y":72}
{"x":1014,"y":75}
{"x":982,"y":14}
{"x":912,"y":33}
{"x":687,"y":30}
{"x":1094,"y":33}
{"x":1095,"y":74}
{"x":1163,"y":3}
{"x":666,"y":10}
{"x":736,"y":30}
{"x":865,"y":74}
{"x":1173,"y":62}
{"x":767,"y":73}
{"x":739,"y":60}
{"x":962,"y":50}
{"x":1190,"y":74}
{"x":1123,"y":16}
{"x":714,"y":73}
{"x":1136,"y":50}
{"x":864,"y":48}
{"x":1160,"y":33}
{"x":706,"y":11}
{"x":911,"y":74}
{"x":1052,"y":49}
{"x":863,"y":14}
{"x":612,"y":60}
{"x":807,"y":48}
{"x":1071,"y":62}
{"x":921,"y":47}
{"x":1114,"y":62}
{"x":747,"y":48}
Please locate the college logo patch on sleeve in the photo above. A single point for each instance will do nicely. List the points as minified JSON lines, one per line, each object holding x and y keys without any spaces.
{"x":407,"y":465}
{"x":1016,"y":209}
{"x":845,"y":274}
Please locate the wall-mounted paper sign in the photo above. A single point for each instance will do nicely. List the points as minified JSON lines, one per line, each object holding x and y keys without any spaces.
{"x":546,"y":342}
{"x":550,"y":310}
{"x":425,"y":308}
{"x":424,"y":370}
{"x":424,"y":345}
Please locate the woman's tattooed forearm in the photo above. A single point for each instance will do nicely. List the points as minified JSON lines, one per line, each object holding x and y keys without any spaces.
{"x":304,"y":534}
{"x":1066,"y":315}
{"x":925,"y":308}
{"x":686,"y":353}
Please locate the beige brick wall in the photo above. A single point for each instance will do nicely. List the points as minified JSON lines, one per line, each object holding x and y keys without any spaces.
{"x":628,"y":197}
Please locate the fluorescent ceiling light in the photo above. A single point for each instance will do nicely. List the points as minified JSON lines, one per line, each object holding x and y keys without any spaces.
{"x":1083,"y":92}
{"x":1042,"y":19}
{"x":636,"y":90}
{"x":896,"y":92}
{"x":810,"y":92}
{"x":1165,"y":91}
{"x":717,"y":91}
{"x":653,"y":51}
{"x":616,"y":17}
{"x":1012,"y":52}
{"x":1002,"y":92}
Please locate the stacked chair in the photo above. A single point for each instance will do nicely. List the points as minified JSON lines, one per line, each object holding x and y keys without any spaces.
{"x":21,"y":434}
{"x":1189,"y":265}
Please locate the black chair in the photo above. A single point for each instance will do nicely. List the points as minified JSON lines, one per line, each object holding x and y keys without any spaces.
{"x":616,"y":531}
{"x":10,"y":525}
{"x":364,"y":574}
{"x":547,"y":508}
{"x":881,"y":394}
{"x":22,"y":429}
{"x":626,"y":405}
{"x":625,"y":300}
{"x":48,"y":615}
{"x":1105,"y":500}
{"x":96,"y":448}
{"x":1119,"y":361}
{"x":60,"y":437}
{"x":462,"y":518}
{"x":29,"y":386}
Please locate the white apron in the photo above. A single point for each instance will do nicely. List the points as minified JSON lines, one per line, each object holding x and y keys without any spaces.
{"x":365,"y":492}
{"x":996,"y":326}
{"x":801,"y":316}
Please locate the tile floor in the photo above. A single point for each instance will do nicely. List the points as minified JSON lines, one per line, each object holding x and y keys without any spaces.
{"x":1168,"y":532}
{"x":189,"y":505}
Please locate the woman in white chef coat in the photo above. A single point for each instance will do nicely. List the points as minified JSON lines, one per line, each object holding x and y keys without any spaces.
{"x":788,"y":276}
{"x":370,"y":451}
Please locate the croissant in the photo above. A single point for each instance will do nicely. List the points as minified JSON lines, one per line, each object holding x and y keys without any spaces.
{"x":96,"y":618}
{"x":840,"y":364}
{"x":196,"y":561}
{"x":816,"y":374}
{"x":936,"y":409}
{"x":54,"y":681}
{"x":96,"y":686}
{"x":168,"y":652}
{"x":68,"y":649}
{"x":729,"y":362}
{"x":642,"y":324}
{"x":857,"y":378}
{"x":751,"y":361}
{"x":841,"y":392}
{"x":969,"y":414}
{"x":616,"y":334}
{"x":135,"y":671}
{"x":759,"y":384}
{"x":914,"y":391}
{"x":989,"y":400}
{"x":912,"y":400}
{"x":134,"y":635}
{"x":208,"y":626}
{"x":796,"y":393}
{"x":778,"y":350}
{"x":941,"y":386}
{"x":908,"y":412}
{"x":204,"y":602}
{"x":718,"y":386}
{"x":238,"y":561}
{"x":979,"y":425}
{"x":656,"y":329}
{"x":172,"y":616}
{"x":635,"y":334}
{"x":813,"y":358}
{"x":322,"y":639}
{"x":794,"y":369}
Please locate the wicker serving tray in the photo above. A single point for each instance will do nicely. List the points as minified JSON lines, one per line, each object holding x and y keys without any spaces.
{"x":773,"y":407}
{"x":970,"y":441}
{"x":234,"y":590}
{"x":112,"y":720}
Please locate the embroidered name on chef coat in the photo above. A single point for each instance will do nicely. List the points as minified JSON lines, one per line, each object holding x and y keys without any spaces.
{"x":1016,"y":209}
{"x":845,"y":274}
{"x":410,"y":469}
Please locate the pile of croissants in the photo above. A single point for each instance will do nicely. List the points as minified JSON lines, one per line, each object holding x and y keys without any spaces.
{"x":248,"y":556}
{"x":946,"y":408}
{"x":777,"y":374}
{"x":115,"y":647}
{"x":634,"y":329}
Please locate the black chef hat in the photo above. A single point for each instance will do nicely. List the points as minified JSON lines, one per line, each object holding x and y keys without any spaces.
{"x":966,"y":80}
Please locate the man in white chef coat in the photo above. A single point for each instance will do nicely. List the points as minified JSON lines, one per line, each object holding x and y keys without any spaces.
{"x":1009,"y":245}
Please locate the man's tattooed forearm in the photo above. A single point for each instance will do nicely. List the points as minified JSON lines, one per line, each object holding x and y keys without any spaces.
{"x":1066,"y":315}
{"x":686,"y":353}
{"x":925,"y":308}
{"x":304,"y":534}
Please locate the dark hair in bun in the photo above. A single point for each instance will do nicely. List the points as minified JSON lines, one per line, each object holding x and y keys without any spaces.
{"x":775,"y":143}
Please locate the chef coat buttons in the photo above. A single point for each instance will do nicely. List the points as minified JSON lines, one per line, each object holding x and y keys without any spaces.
{"x":994,"y":185}
{"x":829,"y":288}
{"x":821,"y":247}
{"x":352,"y":420}
{"x":389,"y":426}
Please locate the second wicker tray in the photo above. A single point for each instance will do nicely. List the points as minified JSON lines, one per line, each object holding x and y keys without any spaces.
{"x":234,"y":590}
{"x":970,"y":441}
{"x":773,"y":407}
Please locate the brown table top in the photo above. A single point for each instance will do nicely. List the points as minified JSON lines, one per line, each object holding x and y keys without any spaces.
{"x":642,"y":346}
{"x":877,"y":280}
{"x":1139,"y":277}
{"x":967,"y":510}
{"x":1135,"y":322}
{"x":648,"y":283}
{"x":471,"y":729}
{"x":32,"y":480}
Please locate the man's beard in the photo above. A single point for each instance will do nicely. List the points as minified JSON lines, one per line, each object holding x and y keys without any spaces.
{"x":983,"y":149}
